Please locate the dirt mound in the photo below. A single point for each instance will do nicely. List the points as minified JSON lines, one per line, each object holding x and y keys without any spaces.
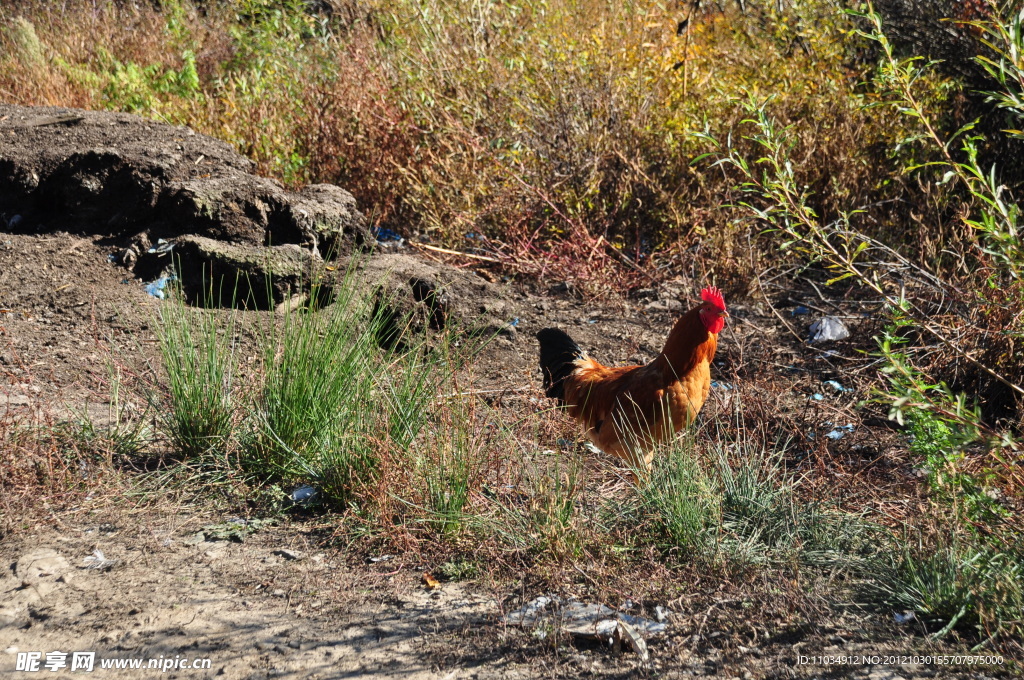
{"x":118,"y":175}
{"x":416,"y":295}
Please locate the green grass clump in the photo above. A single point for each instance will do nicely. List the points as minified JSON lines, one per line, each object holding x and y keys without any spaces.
{"x":537,"y":506}
{"x":314,"y":415}
{"x":953,"y":586}
{"x":326,"y":404}
{"x":198,"y":353}
{"x":683,"y":500}
{"x":126,"y":431}
{"x":333,"y":403}
{"x":446,"y":465}
{"x":736,"y":506}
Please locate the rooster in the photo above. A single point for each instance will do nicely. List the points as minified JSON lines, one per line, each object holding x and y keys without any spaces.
{"x":628,"y":410}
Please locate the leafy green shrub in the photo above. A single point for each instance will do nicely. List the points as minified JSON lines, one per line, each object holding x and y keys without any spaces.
{"x":971,"y":586}
{"x":943,"y":428}
{"x":939,"y":30}
{"x":28,"y":49}
{"x":134,"y":88}
{"x":776,"y":198}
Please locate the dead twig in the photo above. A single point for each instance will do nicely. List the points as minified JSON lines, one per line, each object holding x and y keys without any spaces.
{"x":448,"y":251}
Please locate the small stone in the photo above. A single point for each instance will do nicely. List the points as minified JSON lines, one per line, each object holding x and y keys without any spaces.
{"x":644,"y":294}
{"x":563,"y":287}
{"x":14,"y":399}
{"x":668,"y":305}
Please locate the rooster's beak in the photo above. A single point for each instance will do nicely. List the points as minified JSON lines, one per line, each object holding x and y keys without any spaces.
{"x":723,"y":313}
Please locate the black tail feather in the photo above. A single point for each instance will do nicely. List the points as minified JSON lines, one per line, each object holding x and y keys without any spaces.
{"x":558,"y":353}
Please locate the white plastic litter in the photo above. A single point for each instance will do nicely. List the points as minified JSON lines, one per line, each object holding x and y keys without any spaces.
{"x":162,"y":246}
{"x":97,"y":560}
{"x":593,"y":621}
{"x":828,"y":328}
{"x":905,"y":617}
{"x":837,"y":386}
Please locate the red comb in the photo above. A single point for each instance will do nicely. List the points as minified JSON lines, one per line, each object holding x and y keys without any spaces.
{"x":714,"y":296}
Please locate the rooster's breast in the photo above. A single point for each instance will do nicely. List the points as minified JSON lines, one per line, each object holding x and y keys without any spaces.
{"x":688,"y":394}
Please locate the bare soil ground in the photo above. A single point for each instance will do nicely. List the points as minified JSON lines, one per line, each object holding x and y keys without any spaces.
{"x":282,"y":605}
{"x":251,"y":610}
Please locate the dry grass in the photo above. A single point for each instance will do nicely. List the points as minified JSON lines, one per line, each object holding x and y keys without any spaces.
{"x":564,"y":132}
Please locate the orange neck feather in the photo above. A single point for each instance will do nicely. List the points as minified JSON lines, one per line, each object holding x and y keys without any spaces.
{"x":688,"y":344}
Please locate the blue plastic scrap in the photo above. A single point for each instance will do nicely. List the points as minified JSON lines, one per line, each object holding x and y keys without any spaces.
{"x":722,"y":385}
{"x":840,"y":432}
{"x":386,"y":235}
{"x":834,"y":384}
{"x":799,"y":310}
{"x":645,"y":248}
{"x":305,"y":495}
{"x":158,"y":288}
